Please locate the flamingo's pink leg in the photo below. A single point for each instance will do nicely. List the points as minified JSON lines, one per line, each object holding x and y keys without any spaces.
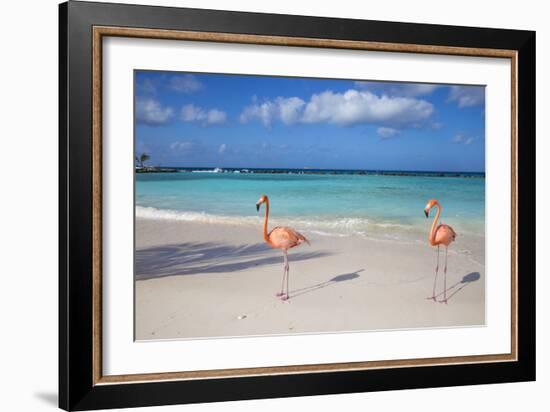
{"x":445,"y":279}
{"x":435,"y":278}
{"x":282,"y":294}
{"x":287,"y":296}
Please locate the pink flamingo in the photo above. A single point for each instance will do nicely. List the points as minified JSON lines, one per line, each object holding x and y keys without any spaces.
{"x":283,"y":238}
{"x":439,"y":235}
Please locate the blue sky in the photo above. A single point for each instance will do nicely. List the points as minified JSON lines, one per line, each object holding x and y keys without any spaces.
{"x":216,"y":120}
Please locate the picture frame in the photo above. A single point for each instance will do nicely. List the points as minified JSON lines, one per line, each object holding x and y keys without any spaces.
{"x":83,"y":27}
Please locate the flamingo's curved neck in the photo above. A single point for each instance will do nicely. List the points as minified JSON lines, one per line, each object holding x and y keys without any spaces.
{"x":266,"y":237}
{"x":434,"y":224}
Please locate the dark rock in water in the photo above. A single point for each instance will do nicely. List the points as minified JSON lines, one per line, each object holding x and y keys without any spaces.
{"x":156,"y":170}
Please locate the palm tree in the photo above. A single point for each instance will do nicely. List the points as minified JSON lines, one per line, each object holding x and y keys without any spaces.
{"x":143,"y":158}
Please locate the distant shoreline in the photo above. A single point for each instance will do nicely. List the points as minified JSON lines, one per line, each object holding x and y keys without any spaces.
{"x":291,"y":171}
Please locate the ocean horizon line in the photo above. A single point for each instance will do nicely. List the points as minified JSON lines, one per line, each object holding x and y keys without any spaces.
{"x":291,"y":170}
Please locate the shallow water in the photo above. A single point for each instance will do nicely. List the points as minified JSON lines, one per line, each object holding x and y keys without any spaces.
{"x":385,"y":206}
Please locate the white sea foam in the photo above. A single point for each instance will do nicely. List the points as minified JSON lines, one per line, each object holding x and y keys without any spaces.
{"x":216,"y":170}
{"x":323,"y":226}
{"x":321,"y":233}
{"x":186,"y":216}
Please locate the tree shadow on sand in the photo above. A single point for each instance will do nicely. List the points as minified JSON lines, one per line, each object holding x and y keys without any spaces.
{"x":208,"y":257}
{"x":461,"y":284}
{"x":336,"y":279}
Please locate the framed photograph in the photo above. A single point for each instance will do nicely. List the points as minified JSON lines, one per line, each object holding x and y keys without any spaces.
{"x":257,"y":205}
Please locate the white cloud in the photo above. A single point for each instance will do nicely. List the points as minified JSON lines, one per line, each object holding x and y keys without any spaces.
{"x":221,"y":149}
{"x":359,"y":107}
{"x":386,"y":132}
{"x":419,"y":89}
{"x":288,"y":110}
{"x":343,"y":109}
{"x":264,"y":112}
{"x":461,"y":139}
{"x":458,"y":138}
{"x":467,"y":96}
{"x":151,"y":112}
{"x":181,"y":146}
{"x":215,"y":116}
{"x":185,"y":83}
{"x":192,"y":113}
{"x":398,"y":89}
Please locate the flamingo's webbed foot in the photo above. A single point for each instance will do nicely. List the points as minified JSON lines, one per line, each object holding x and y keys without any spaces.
{"x":279,"y":294}
{"x":285,"y":297}
{"x":431,"y":298}
{"x":443,"y":301}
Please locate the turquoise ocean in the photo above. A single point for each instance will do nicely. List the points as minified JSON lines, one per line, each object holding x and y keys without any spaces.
{"x":385,"y":205}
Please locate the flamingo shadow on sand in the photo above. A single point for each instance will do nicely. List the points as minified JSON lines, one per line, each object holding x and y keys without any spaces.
{"x":335,"y":280}
{"x":193,"y":258}
{"x":461,"y":284}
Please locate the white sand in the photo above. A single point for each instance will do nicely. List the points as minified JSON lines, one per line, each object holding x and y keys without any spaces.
{"x":206,"y":280}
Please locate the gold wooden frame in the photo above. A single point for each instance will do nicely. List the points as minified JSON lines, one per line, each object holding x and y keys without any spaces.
{"x":101,"y":31}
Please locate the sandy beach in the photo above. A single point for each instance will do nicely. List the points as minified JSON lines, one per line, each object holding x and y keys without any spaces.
{"x":198,"y":280}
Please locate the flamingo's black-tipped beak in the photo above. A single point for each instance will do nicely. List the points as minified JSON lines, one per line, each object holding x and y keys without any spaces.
{"x":426,"y":213}
{"x":257,"y":207}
